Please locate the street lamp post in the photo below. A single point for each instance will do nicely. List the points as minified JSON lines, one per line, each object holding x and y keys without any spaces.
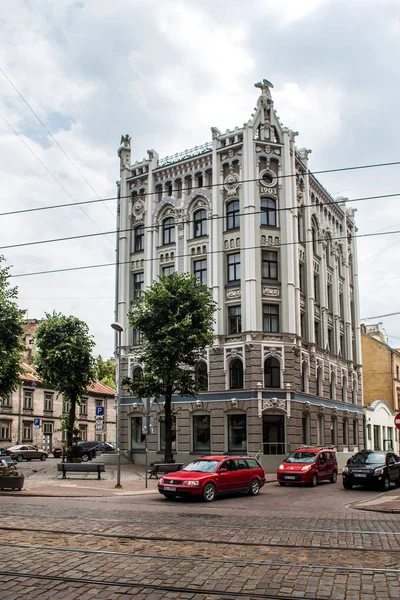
{"x":119,"y":329}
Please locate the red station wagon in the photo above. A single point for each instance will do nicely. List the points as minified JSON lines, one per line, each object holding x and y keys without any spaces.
{"x":210,"y":476}
{"x":308,"y":465}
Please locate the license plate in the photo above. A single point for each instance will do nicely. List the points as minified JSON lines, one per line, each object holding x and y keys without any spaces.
{"x":168,"y":488}
{"x":290,"y":477}
{"x":359,"y":475}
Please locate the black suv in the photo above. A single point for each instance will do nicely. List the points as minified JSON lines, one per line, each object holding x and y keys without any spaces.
{"x":89,"y":449}
{"x":372,"y":468}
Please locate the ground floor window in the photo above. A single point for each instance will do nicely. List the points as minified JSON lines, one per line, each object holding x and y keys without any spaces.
{"x":162,"y":432}
{"x":334,"y":431}
{"x":237,"y":433}
{"x":27,"y":431}
{"x":83,"y":432}
{"x":377,"y":437}
{"x":5,"y":431}
{"x":320,"y":430}
{"x":355,"y":433}
{"x":345,"y":432}
{"x":305,"y":428}
{"x":138,"y":437}
{"x":201,"y":433}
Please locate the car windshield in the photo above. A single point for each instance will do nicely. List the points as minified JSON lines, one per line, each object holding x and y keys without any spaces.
{"x":373,"y":458}
{"x":202,"y":466}
{"x":301,"y":457}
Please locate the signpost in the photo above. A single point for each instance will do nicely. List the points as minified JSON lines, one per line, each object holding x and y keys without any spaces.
{"x":148,"y":403}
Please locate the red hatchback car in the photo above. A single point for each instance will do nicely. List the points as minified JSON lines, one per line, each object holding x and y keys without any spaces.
{"x":210,"y":476}
{"x":309,"y":465}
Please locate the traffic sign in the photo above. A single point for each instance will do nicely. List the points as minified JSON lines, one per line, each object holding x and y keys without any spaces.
{"x":99,"y":411}
{"x":397,"y":420}
{"x":36,"y":422}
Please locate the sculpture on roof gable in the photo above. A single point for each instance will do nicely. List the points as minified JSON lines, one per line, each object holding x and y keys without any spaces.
{"x":125,"y":141}
{"x":265,"y":87}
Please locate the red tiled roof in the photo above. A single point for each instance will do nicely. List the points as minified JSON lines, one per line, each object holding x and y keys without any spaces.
{"x":96,"y":388}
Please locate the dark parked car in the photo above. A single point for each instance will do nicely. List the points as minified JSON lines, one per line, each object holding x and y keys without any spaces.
{"x":372,"y":468}
{"x":57,"y":452}
{"x":89,"y":449}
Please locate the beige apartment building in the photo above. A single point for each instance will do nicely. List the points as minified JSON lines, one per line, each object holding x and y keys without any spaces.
{"x":32,"y":414}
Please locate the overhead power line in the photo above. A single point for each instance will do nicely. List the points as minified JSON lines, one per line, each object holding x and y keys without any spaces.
{"x":53,"y":138}
{"x":380,"y":317}
{"x":110,"y":198}
{"x":208,"y":253}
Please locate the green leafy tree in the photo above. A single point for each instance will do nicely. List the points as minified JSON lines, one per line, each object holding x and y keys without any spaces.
{"x":11,"y":332}
{"x":175,"y":318}
{"x":105,"y":371}
{"x":64,"y":360}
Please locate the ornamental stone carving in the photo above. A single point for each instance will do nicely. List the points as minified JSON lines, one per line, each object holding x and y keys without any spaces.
{"x":306,"y":407}
{"x":321,"y":409}
{"x":271,"y":292}
{"x":233,"y":352}
{"x":268,"y":403}
{"x":269,"y":240}
{"x":138,"y":210}
{"x":272,"y":351}
{"x":231,"y":183}
{"x":234,"y":293}
{"x":232,"y":243}
{"x":267,"y":181}
{"x":217,"y":350}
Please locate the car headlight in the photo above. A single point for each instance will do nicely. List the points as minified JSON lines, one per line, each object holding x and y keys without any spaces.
{"x":282,"y":466}
{"x":379,"y":471}
{"x":161,"y":480}
{"x":345,"y":470}
{"x":306,"y":468}
{"x":190,"y":482}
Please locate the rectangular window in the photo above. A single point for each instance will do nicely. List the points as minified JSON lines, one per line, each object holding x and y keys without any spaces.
{"x":66,"y":406}
{"x":316,"y":333}
{"x":28,"y":400}
{"x":233,"y":261}
{"x":47,"y":428}
{"x":83,"y":432}
{"x":138,"y":236}
{"x":98,"y":403}
{"x":83,"y":406}
{"x":269,"y":265}
{"x":48,"y":402}
{"x":234,"y":319}
{"x":201,"y":433}
{"x":162,"y":433}
{"x":377,"y":437}
{"x":138,"y":285}
{"x":301,"y":278}
{"x":168,"y":270}
{"x":342,"y":348}
{"x":136,"y":337}
{"x":316,"y":287}
{"x":27,"y":431}
{"x":341,"y":306}
{"x":200,"y":270}
{"x":5,"y":402}
{"x":237,"y":435}
{"x":5,"y":431}
{"x":271,"y":318}
{"x":329,"y":297}
{"x":330,"y":339}
{"x":397,"y":374}
{"x":138,"y":437}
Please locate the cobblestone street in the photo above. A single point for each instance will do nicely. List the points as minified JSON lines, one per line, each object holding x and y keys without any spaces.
{"x":285,"y":543}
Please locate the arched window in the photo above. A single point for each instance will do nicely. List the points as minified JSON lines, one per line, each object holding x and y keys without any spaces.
{"x":332,"y":387}
{"x":272,"y":373}
{"x":304,"y":377}
{"x":233,"y":215}
{"x":199,"y":223}
{"x":168,"y":231}
{"x":201,"y":376}
{"x":236,"y":374}
{"x":314,"y":237}
{"x":138,"y":238}
{"x":345,"y":432}
{"x":320,"y":387}
{"x":268,"y":212}
{"x":344,"y":389}
{"x":137,"y":374}
{"x":320,"y":430}
{"x":334,"y":431}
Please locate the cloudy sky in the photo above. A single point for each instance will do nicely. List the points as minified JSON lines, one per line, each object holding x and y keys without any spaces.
{"x":165,"y":72}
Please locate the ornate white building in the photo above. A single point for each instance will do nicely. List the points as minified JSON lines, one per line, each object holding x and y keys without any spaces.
{"x":244,"y":213}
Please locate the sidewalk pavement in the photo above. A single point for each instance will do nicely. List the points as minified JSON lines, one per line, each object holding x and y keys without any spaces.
{"x":86,"y":485}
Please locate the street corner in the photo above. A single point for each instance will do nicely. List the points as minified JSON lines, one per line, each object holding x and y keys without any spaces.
{"x":384,"y":503}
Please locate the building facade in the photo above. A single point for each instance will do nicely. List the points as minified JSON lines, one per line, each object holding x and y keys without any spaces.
{"x":32,"y":414}
{"x":246,"y":216}
{"x":381,"y":385}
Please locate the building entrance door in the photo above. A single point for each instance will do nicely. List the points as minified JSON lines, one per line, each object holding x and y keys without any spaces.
{"x":274,"y":434}
{"x":47,"y":442}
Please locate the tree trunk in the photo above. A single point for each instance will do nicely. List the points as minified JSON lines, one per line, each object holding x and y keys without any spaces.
{"x":168,"y":425}
{"x":70,"y":427}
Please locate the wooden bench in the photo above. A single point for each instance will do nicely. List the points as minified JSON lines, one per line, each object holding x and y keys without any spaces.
{"x":164,"y":468}
{"x":80,"y":468}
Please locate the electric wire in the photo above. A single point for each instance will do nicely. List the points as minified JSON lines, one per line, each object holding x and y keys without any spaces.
{"x":53,"y":138}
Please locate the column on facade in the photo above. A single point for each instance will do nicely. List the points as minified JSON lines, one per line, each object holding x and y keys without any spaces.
{"x":150,"y":232}
{"x":335,"y":302}
{"x":215,"y":258}
{"x":324,"y":301}
{"x":356,"y":300}
{"x":309,"y":252}
{"x":249,"y":243}
{"x":288,"y":251}
{"x":346,"y":291}
{"x":123,"y":250}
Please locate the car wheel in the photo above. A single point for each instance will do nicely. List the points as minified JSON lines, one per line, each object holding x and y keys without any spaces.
{"x":85,"y":457}
{"x":347,"y":485}
{"x":333,"y":478}
{"x":170,"y":496}
{"x":19,"y":458}
{"x":43,"y":456}
{"x":385,"y":484}
{"x":209,"y":492}
{"x":314,"y":480}
{"x":254,"y":487}
{"x":282,"y":483}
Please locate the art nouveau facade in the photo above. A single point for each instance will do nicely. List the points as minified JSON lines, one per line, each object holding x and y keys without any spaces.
{"x":245,"y":215}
